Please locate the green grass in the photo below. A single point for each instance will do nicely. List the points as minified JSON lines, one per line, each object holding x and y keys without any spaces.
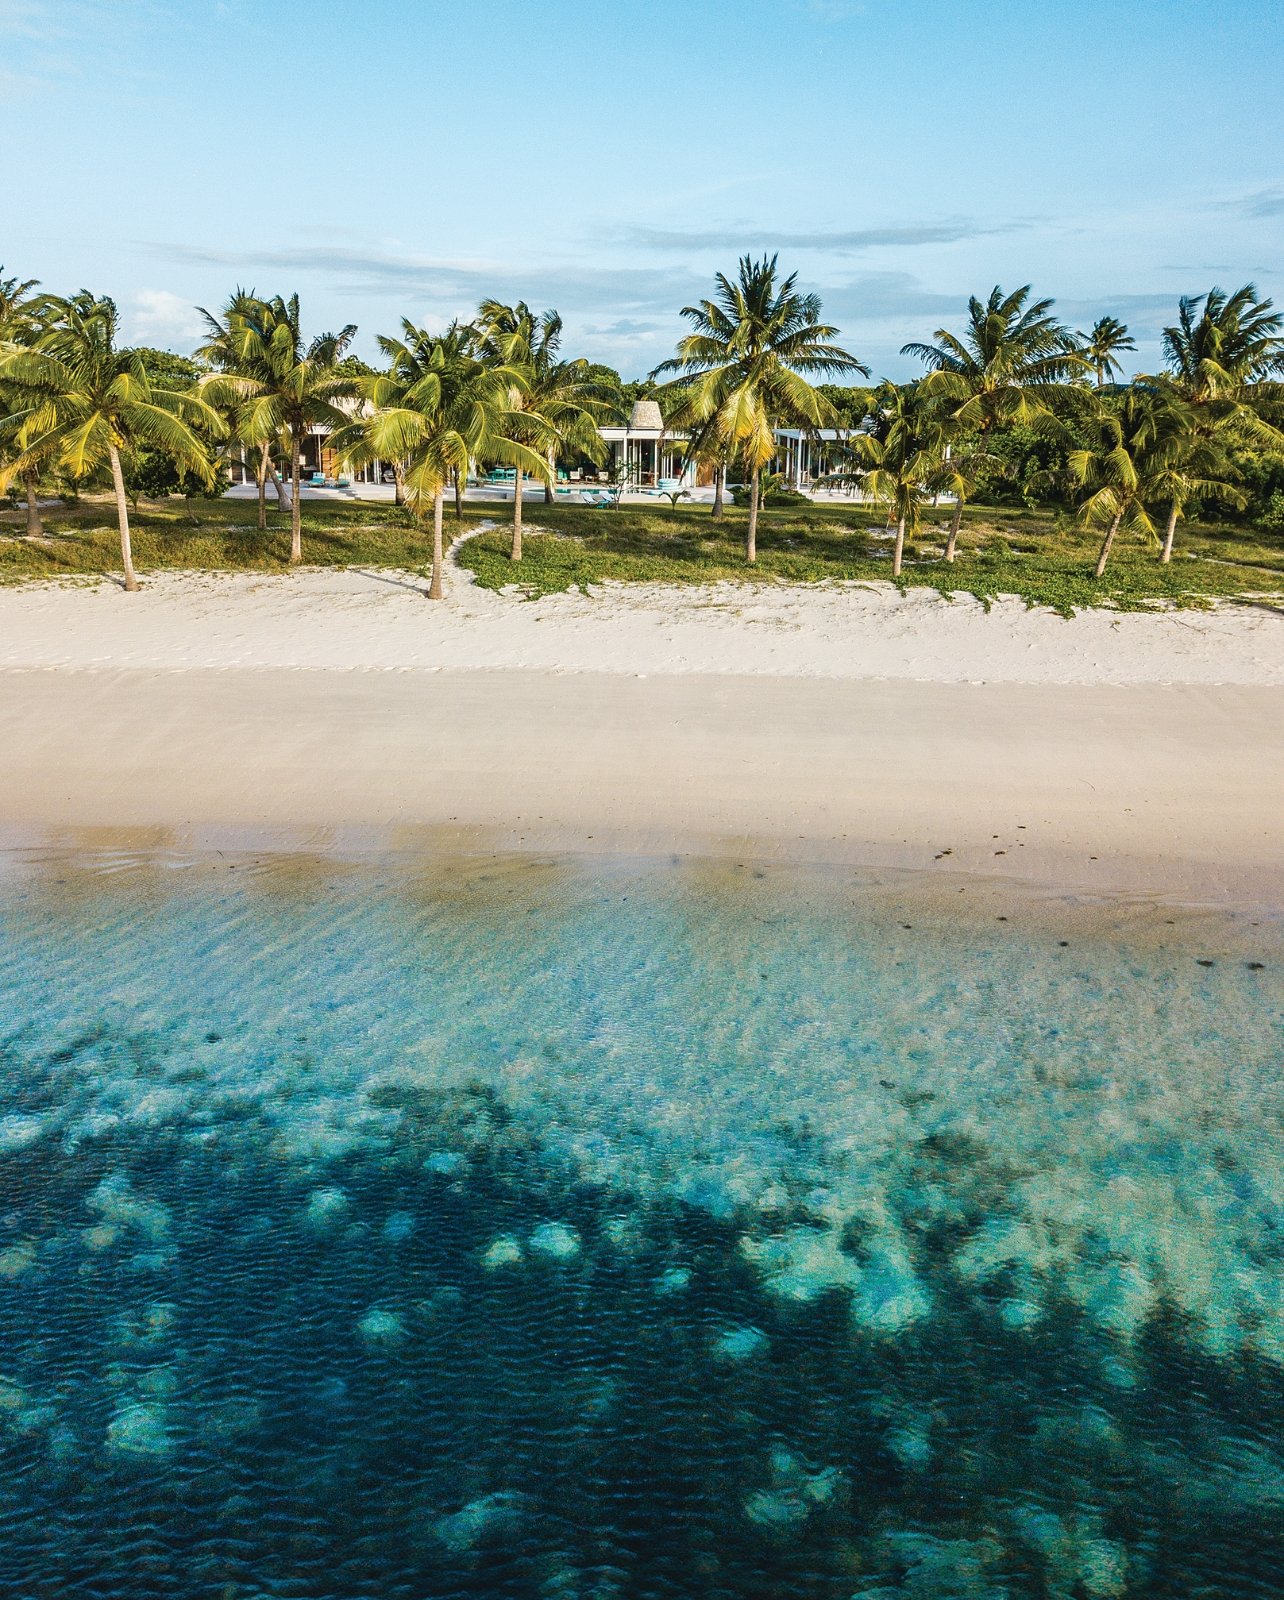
{"x":84,"y":541}
{"x":1041,"y":556}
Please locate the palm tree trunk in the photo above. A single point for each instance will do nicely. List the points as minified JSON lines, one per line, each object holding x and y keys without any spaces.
{"x":898,"y":554}
{"x":398,"y":486}
{"x":951,"y":544}
{"x":296,"y":510}
{"x":122,"y":516}
{"x":438,"y":555}
{"x":552,"y":475}
{"x":283,"y":501}
{"x":719,"y":489}
{"x":1105,"y":548}
{"x":516,"y":553}
{"x":459,"y":496}
{"x":751,"y":538}
{"x":34,"y":528}
{"x":261,"y":479}
{"x":1170,"y":533}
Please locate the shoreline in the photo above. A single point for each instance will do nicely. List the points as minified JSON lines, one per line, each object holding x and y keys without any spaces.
{"x":1162,"y":792}
{"x":1133,"y":754}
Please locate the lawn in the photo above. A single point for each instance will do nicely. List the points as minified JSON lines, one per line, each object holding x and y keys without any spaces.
{"x":1041,"y":556}
{"x":215,"y":536}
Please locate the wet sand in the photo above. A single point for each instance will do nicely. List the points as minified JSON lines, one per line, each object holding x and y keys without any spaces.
{"x":1170,"y":791}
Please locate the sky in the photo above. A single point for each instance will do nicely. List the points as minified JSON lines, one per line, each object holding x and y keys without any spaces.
{"x":408,"y":157}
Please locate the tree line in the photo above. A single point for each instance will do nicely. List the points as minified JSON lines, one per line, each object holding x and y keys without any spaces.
{"x":1015,"y":401}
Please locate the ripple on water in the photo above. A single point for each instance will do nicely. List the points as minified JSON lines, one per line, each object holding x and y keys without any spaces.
{"x":540,"y":1230}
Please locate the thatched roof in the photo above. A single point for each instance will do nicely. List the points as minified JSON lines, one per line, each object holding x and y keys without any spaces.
{"x":646,"y":414}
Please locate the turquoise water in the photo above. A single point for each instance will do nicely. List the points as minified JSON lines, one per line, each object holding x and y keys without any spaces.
{"x":556,"y":1229}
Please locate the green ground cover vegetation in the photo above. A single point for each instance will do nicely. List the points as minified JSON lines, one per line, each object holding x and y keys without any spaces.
{"x":1043,"y":556}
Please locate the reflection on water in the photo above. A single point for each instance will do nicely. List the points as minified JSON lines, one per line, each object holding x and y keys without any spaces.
{"x":631,"y":1230}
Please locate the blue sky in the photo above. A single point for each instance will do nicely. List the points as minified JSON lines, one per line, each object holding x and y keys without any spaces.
{"x":407,"y":156}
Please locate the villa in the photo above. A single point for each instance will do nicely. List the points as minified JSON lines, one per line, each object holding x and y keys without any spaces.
{"x":641,"y":455}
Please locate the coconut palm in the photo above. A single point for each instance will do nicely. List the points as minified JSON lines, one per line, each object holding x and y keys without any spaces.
{"x":1197,"y":464}
{"x":566,"y":400}
{"x":1102,"y":347}
{"x":269,"y":454}
{"x":438,"y":407}
{"x":901,"y":462}
{"x":710,"y":451}
{"x":282,"y":385}
{"x":957,"y":475}
{"x":20,"y":324}
{"x":1136,"y":439}
{"x":1197,"y":470}
{"x":89,"y":402}
{"x":1225,"y":357}
{"x":1223,"y":343}
{"x":755,"y":344}
{"x":1013,"y":362}
{"x":703,"y":445}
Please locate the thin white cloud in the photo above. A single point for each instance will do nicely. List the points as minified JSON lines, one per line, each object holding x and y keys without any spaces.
{"x":450,"y":284}
{"x":1265,"y":203}
{"x":162,"y":318}
{"x":743,"y":236}
{"x":38,"y":35}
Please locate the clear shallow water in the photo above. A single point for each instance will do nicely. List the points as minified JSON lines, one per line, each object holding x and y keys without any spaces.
{"x":624,"y":1229}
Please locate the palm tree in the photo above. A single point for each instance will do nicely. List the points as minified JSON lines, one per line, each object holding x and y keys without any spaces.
{"x":902,"y":463}
{"x":89,"y":402}
{"x":755,"y":344}
{"x":957,"y":475}
{"x":284,"y":386}
{"x":1197,"y":464}
{"x":221,"y":350}
{"x":1197,"y":468}
{"x":1013,"y":362}
{"x":1223,"y":343}
{"x":704,"y":445}
{"x":1224,"y":355}
{"x":20,"y":324}
{"x":1135,"y":439}
{"x":437,"y":408}
{"x":1102,"y":347}
{"x":565,"y":400}
{"x":459,"y":356}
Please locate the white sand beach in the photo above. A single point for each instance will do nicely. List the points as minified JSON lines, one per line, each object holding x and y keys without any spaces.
{"x":345,"y":620}
{"x":1142,"y":753}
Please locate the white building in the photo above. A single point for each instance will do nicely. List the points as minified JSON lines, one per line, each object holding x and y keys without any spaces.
{"x":641,"y":455}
